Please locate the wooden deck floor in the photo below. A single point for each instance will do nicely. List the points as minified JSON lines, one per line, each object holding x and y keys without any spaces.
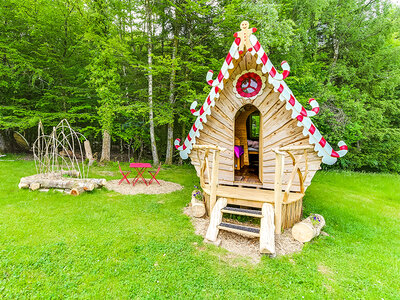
{"x":249,"y":194}
{"x":247,"y":175}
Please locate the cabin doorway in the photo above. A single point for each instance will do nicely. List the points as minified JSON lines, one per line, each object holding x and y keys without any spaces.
{"x":247,"y":145}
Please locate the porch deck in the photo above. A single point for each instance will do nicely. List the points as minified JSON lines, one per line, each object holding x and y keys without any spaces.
{"x":250,"y":194}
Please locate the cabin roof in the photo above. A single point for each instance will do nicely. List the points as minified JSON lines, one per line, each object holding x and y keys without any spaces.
{"x":276,"y":79}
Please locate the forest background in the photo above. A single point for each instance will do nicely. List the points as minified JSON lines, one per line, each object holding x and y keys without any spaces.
{"x":125,"y":72}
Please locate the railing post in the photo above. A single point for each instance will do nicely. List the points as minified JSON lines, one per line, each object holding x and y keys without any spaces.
{"x":214,"y":179}
{"x":279,"y":164}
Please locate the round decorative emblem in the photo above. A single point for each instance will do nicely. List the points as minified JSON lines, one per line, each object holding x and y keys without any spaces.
{"x":249,"y":84}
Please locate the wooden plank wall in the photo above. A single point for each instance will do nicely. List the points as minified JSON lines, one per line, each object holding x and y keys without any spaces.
{"x":278,"y":130}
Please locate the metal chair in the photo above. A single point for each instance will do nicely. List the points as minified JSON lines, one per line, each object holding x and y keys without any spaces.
{"x":153,"y":175}
{"x":124,"y":174}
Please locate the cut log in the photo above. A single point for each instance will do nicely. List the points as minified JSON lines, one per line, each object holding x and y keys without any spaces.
{"x":305,"y":230}
{"x":72,"y":173}
{"x":62,"y":183}
{"x":76,"y":191}
{"x":198,"y":207}
{"x":23,"y":185}
{"x":34,"y":186}
{"x":98,"y":181}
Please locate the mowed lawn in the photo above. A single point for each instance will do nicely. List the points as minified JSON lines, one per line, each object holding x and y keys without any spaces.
{"x":106,"y":245}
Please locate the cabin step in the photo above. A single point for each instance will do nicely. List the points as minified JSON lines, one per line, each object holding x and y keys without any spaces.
{"x":241,"y":211}
{"x":252,"y":231}
{"x":265,"y":232}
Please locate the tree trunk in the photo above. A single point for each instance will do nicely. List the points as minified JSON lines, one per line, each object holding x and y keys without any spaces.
{"x":180,"y":161}
{"x":170,"y":133}
{"x":150,"y":89}
{"x":106,"y":147}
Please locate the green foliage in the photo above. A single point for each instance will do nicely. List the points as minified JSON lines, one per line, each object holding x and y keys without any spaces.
{"x":86,"y":61}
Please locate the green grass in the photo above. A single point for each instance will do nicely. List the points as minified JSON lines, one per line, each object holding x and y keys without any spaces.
{"x":103,"y":244}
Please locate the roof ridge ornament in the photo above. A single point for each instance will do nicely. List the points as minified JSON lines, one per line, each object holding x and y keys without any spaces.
{"x":243,"y":37}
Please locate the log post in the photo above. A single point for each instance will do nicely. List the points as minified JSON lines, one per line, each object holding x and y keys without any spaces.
{"x":267,"y":228}
{"x":214,"y":179}
{"x":307,"y":229}
{"x":279,"y":163}
{"x":215,"y":220}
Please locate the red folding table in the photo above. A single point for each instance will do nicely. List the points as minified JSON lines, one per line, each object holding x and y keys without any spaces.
{"x":140,"y":168}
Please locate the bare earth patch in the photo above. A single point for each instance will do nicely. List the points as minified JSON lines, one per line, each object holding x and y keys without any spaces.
{"x":140,"y":188}
{"x":241,"y":246}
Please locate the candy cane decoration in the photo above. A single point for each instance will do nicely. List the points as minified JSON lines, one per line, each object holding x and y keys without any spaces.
{"x":321,"y":146}
{"x":226,"y":66}
{"x":268,"y":67}
{"x":329,"y":156}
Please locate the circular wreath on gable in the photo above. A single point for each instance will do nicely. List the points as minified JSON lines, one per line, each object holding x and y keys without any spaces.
{"x":249,"y":84}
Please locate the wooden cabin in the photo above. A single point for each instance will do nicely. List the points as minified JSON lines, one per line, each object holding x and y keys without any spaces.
{"x":252,"y":142}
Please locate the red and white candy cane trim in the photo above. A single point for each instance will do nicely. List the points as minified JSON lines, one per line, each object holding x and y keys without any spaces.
{"x":329,"y":156}
{"x":205,"y":109}
{"x":226,"y":66}
{"x":268,"y":67}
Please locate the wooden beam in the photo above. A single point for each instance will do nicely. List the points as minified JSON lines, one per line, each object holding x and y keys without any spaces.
{"x":293,"y":148}
{"x":267,"y":228}
{"x":278,"y":190}
{"x":211,"y":147}
{"x":215,"y":220}
{"x":214,"y":178}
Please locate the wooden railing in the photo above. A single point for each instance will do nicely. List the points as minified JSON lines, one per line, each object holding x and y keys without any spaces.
{"x":205,"y":165}
{"x":279,"y":170}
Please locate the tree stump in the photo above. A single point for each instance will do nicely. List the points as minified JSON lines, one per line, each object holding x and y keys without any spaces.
{"x":198,"y":207}
{"x":305,"y":230}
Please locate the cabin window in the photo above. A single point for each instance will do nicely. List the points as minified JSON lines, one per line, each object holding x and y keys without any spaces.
{"x":254,"y":126}
{"x":249,"y":85}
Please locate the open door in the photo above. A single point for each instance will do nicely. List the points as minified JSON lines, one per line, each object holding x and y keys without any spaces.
{"x":247,"y":146}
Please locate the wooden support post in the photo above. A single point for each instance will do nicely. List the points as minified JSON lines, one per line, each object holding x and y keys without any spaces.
{"x":214,"y":179}
{"x":215,"y":220}
{"x":267,"y":228}
{"x":279,"y":163}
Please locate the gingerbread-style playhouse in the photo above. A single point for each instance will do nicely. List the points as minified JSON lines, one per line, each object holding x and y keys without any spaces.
{"x":254,"y":146}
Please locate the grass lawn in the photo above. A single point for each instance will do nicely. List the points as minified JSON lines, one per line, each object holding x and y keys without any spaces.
{"x":103,"y":244}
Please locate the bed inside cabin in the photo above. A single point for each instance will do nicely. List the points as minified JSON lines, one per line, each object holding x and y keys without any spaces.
{"x":247,"y":146}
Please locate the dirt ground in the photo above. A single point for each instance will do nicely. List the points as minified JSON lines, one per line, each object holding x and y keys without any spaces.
{"x":245,"y":246}
{"x":140,"y":188}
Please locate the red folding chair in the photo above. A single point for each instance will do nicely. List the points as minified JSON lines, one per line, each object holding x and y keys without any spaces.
{"x":154,"y":175}
{"x":124,"y":174}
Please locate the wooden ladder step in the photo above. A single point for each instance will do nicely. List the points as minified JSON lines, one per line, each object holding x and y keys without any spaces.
{"x":241,"y":211}
{"x":247,"y":230}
